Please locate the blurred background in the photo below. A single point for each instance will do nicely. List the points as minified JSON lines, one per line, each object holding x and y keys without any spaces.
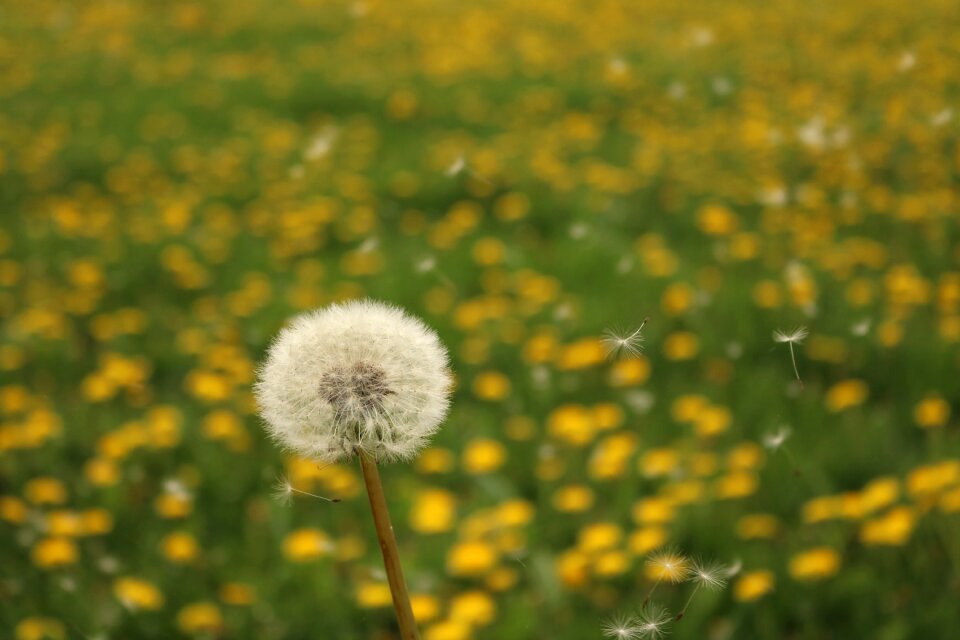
{"x":177,"y":179}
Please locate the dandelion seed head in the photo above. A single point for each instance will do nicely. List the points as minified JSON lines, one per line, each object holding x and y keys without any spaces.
{"x":796,"y":336}
{"x":283,"y":490}
{"x":652,"y":623}
{"x":710,"y":576}
{"x":623,"y":342}
{"x":668,"y":565}
{"x":621,"y":627}
{"x":356,"y":375}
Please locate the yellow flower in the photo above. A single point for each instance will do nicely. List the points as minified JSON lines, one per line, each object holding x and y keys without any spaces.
{"x":40,"y":629}
{"x":599,"y":536}
{"x":483,"y":455}
{"x":475,"y":608}
{"x":753,"y":585}
{"x":814,"y":564}
{"x":931,"y":412}
{"x":51,"y":553}
{"x":471,"y":558}
{"x":712,"y":421}
{"x":643,"y":541}
{"x":435,"y":460}
{"x":13,"y":510}
{"x":757,"y":526}
{"x":656,"y":510}
{"x":716,"y":220}
{"x":892,"y":529}
{"x":425,"y":607}
{"x":681,"y":345}
{"x":656,"y":463}
{"x":572,"y":423}
{"x":448,"y":630}
{"x":846,"y":394}
{"x":180,"y":547}
{"x":137,"y":594}
{"x":45,"y":491}
{"x":627,"y":372}
{"x":582,"y":354}
{"x":572,"y":498}
{"x":306,"y":545}
{"x":491,"y":385}
{"x":237,"y":594}
{"x":200,"y":617}
{"x":373,"y":595}
{"x":434,"y":511}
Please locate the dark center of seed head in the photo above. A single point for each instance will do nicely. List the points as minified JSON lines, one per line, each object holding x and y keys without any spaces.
{"x":360,"y":387}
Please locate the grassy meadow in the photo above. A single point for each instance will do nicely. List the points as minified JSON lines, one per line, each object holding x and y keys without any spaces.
{"x":178,"y":179}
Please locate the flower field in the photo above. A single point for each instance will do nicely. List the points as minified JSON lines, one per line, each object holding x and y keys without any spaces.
{"x":697,"y":266}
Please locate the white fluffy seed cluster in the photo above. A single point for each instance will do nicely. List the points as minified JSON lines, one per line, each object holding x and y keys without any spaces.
{"x":357,"y":375}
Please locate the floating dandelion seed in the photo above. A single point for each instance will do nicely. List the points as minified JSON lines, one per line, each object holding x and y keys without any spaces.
{"x":796,"y":336}
{"x":775,"y":440}
{"x":283,"y":491}
{"x":666,"y":565}
{"x":616,"y":342}
{"x":708,"y":576}
{"x":621,"y":627}
{"x":651,"y":623}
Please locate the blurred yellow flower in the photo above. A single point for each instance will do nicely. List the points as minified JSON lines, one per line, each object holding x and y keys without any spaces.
{"x":891,"y":529}
{"x":40,"y":629}
{"x":136,"y":594}
{"x":572,"y":498}
{"x":52,"y":553}
{"x":483,"y":455}
{"x":757,"y":526}
{"x":491,"y":385}
{"x":681,"y":345}
{"x":753,"y":585}
{"x":425,"y":607}
{"x":471,"y":558}
{"x":475,"y":608}
{"x":306,"y":545}
{"x":373,"y":595}
{"x":180,"y":547}
{"x":931,"y":412}
{"x":814,"y":564}
{"x":237,"y":594}
{"x":846,"y":394}
{"x":433,"y":511}
{"x":200,"y":617}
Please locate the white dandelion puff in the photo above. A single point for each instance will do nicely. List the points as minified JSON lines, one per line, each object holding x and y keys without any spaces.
{"x":616,"y":342}
{"x":621,"y":627}
{"x":797,"y":336}
{"x":456,"y":167}
{"x":652,"y":623}
{"x":709,"y":576}
{"x":360,"y":375}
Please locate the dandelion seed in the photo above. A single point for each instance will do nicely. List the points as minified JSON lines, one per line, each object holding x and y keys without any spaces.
{"x":621,"y":627}
{"x":651,"y":623}
{"x":796,"y":336}
{"x":733,"y":569}
{"x":616,"y":342}
{"x":706,"y":576}
{"x":775,"y":440}
{"x":457,"y":166}
{"x":666,"y":565}
{"x":283,"y":492}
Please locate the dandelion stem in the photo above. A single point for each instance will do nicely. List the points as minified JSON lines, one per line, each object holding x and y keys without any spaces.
{"x":646,"y":600}
{"x":796,"y":372}
{"x":388,"y":546}
{"x":689,"y":600}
